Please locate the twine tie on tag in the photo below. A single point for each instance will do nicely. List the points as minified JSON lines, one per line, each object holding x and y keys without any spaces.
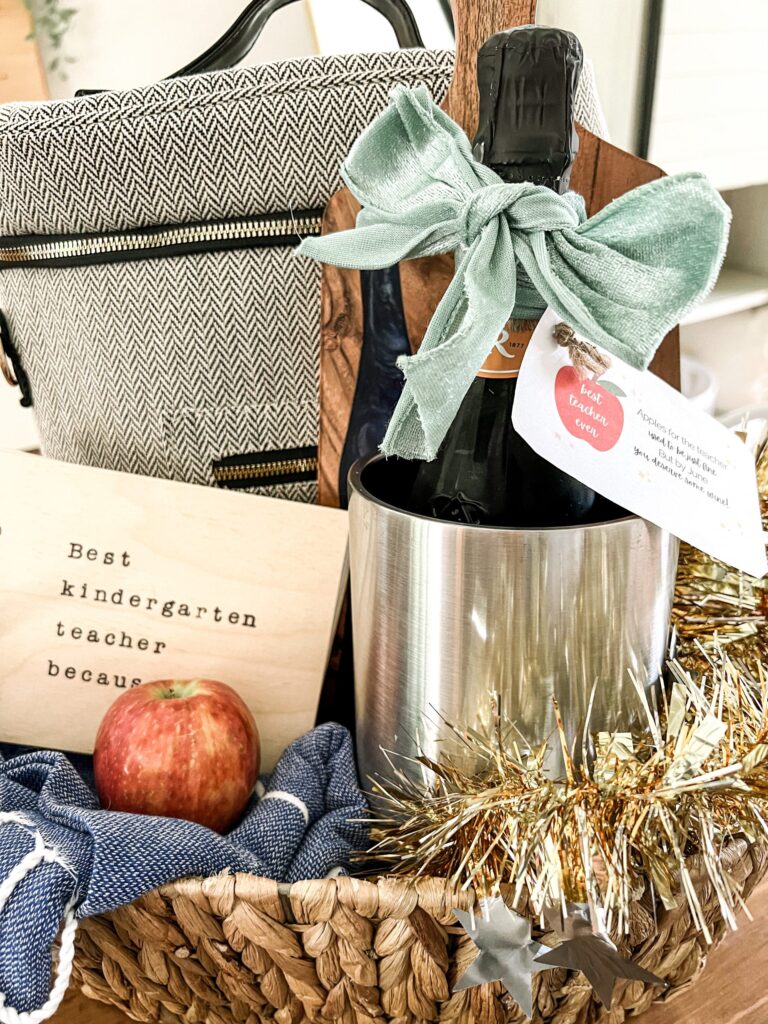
{"x":39,"y":854}
{"x":622,"y":278}
{"x":587,"y":360}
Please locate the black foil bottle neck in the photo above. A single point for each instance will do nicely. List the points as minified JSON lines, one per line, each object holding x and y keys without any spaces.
{"x":527,"y":79}
{"x":540,"y":174}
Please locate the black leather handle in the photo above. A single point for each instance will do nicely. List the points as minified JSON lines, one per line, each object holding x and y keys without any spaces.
{"x":239,"y":39}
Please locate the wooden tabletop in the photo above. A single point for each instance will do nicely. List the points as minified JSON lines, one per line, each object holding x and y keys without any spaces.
{"x":732,"y":989}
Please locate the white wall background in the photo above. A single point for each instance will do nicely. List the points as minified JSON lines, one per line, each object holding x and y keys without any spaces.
{"x":343,"y":26}
{"x":711,"y":105}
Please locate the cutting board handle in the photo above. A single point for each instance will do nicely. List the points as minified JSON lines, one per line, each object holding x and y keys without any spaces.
{"x":475,"y":21}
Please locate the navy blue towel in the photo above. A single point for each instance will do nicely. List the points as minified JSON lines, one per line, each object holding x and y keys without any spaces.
{"x":62,"y":858}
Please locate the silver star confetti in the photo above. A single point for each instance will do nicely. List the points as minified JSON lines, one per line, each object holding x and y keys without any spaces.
{"x":507,"y":952}
{"x":592,"y":952}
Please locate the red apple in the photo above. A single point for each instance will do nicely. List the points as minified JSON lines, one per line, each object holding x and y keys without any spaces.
{"x":588,"y":410}
{"x":179,"y":748}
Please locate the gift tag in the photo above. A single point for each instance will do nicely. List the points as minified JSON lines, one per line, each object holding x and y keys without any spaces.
{"x":642,"y":445}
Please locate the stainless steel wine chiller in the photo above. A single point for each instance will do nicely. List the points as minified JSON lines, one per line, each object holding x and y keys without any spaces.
{"x":444,"y":613}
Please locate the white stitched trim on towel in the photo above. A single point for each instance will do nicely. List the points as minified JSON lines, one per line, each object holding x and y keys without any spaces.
{"x":289,"y":798}
{"x":39,"y":854}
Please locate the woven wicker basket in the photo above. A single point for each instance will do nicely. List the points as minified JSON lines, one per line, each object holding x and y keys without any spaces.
{"x":246,"y":950}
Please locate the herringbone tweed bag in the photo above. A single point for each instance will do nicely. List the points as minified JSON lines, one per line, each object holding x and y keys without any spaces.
{"x":156,"y":314}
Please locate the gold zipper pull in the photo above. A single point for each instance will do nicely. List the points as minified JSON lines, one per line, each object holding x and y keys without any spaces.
{"x":5,"y":368}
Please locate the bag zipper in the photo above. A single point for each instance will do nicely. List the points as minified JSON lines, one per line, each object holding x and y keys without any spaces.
{"x":263,"y":231}
{"x":262,"y":469}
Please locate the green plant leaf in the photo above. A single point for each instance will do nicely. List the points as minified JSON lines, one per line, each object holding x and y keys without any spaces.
{"x":50,"y":22}
{"x":614,"y":389}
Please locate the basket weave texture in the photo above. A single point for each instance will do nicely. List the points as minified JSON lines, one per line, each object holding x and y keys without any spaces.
{"x":235,"y":949}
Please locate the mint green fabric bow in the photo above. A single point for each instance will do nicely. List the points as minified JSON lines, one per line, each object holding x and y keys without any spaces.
{"x":623,"y":278}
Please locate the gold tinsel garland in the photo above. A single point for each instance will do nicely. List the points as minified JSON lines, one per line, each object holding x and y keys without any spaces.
{"x":634,"y":811}
{"x":717,"y":605}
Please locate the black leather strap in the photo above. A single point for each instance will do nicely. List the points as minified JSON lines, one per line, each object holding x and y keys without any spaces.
{"x":239,"y":39}
{"x":11,"y":366}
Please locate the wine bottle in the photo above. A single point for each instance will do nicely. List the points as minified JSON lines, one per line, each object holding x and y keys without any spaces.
{"x":485,"y":473}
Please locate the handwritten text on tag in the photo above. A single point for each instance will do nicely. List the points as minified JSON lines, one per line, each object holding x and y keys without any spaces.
{"x":642,"y":445}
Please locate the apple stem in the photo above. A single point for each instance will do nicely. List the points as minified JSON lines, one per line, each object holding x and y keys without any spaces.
{"x":175,"y":690}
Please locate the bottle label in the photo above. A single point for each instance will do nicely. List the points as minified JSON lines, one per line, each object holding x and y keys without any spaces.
{"x":506,"y":356}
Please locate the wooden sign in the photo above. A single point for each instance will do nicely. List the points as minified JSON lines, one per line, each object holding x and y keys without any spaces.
{"x":109,"y":580}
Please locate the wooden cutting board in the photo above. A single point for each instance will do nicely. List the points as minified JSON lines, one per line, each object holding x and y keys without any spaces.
{"x":602,"y":172}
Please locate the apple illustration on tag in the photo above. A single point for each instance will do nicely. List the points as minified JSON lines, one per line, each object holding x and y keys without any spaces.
{"x":589,"y":409}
